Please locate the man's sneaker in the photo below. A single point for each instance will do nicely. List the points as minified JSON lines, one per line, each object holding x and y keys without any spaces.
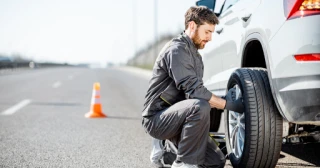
{"x":157,"y":164}
{"x":183,"y":165}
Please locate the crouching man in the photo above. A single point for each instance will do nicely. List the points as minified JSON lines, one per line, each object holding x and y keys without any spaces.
{"x":177,"y":105}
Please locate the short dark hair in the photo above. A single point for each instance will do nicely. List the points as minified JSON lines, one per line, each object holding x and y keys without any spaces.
{"x":200,"y":15}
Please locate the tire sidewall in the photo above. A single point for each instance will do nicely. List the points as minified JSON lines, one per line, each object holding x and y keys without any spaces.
{"x":235,"y":79}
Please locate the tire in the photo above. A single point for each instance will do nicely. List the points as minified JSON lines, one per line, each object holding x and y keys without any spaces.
{"x":215,"y":117}
{"x":257,"y":137}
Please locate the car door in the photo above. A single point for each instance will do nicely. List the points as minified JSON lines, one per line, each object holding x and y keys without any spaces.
{"x":212,"y":63}
{"x":234,"y":19}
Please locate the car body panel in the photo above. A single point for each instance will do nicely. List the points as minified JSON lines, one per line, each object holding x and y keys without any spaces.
{"x":280,"y":40}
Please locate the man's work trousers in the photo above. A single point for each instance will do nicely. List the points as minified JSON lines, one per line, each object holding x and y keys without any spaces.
{"x":186,"y":124}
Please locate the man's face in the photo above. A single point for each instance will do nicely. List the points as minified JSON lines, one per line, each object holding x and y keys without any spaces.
{"x":202,"y":35}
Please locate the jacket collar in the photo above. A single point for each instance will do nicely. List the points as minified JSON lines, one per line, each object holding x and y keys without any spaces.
{"x":189,"y":41}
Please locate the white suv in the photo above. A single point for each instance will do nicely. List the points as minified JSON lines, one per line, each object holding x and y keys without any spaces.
{"x":269,"y":50}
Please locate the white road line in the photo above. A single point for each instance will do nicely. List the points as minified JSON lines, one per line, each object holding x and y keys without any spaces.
{"x":16,"y":107}
{"x":56,"y":84}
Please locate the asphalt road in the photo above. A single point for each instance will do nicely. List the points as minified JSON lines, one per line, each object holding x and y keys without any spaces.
{"x":45,"y":124}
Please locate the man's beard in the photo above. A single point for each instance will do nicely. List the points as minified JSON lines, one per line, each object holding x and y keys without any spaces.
{"x":197,"y":41}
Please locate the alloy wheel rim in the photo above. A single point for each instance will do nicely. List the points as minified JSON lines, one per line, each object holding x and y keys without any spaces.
{"x":236,"y":128}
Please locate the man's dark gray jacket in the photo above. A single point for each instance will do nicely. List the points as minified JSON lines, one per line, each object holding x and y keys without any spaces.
{"x":177,"y":75}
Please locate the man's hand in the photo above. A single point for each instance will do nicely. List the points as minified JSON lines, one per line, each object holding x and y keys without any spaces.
{"x":232,"y":103}
{"x":217,"y":102}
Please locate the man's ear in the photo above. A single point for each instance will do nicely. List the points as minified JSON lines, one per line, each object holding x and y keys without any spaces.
{"x":192,"y":26}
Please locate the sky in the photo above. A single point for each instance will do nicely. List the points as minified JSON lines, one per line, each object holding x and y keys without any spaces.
{"x":81,"y":31}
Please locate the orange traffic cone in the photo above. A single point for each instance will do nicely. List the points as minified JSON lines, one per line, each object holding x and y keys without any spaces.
{"x":96,"y":108}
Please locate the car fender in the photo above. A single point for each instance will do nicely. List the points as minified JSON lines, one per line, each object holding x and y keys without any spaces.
{"x":262,"y":38}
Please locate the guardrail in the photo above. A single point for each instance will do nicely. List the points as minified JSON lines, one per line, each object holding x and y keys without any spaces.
{"x":31,"y":64}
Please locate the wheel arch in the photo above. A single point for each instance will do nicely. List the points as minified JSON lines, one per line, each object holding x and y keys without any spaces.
{"x":256,"y":47}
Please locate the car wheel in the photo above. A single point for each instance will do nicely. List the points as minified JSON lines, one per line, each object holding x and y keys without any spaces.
{"x":253,"y":138}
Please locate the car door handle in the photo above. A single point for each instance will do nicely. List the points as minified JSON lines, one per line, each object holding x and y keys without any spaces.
{"x":219,"y":30}
{"x":246,"y":17}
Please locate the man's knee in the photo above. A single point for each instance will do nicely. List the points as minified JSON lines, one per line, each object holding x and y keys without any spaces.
{"x":203,"y":107}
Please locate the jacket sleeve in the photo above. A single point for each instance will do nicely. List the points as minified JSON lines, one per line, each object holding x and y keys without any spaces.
{"x":182,"y":70}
